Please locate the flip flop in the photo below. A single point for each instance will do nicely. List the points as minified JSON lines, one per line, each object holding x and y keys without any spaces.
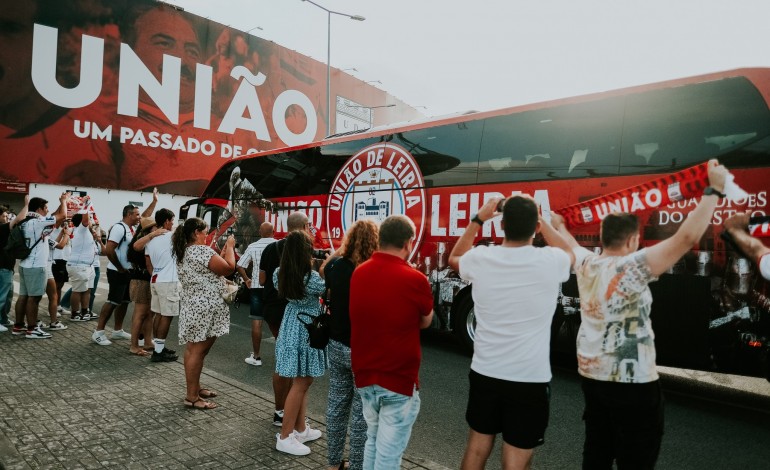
{"x":140,"y":353}
{"x":206,"y":393}
{"x":205,"y":405}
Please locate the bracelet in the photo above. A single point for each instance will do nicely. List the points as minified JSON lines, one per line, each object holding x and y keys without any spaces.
{"x":710,"y":191}
{"x":477,"y":220}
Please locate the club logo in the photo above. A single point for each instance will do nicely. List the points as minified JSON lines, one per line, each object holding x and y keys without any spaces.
{"x":380,"y":180}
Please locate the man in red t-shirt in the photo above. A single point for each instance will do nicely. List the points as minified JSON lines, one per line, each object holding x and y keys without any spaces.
{"x":390,"y":302}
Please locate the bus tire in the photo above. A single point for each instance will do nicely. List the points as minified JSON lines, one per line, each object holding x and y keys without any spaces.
{"x":465,"y":322}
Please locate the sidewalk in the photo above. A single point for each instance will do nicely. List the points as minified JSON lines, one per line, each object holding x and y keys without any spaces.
{"x":69,"y":403}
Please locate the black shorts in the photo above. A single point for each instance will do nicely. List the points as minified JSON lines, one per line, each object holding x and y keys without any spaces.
{"x":119,"y":282}
{"x":517,"y":410}
{"x":59,"y":269}
{"x":624,"y":423}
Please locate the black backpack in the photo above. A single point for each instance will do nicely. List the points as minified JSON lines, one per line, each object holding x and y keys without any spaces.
{"x":136,"y":258}
{"x":17,"y":246}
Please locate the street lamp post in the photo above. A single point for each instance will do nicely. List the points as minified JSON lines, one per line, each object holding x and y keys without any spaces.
{"x":329,"y":14}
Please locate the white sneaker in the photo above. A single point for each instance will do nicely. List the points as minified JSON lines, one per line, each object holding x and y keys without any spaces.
{"x":290,"y":445}
{"x":57,"y":326}
{"x":3,"y":328}
{"x":100,"y":339}
{"x":120,"y":334}
{"x":63,"y":311}
{"x":254,"y":361}
{"x":37,"y":333}
{"x":308,"y":435}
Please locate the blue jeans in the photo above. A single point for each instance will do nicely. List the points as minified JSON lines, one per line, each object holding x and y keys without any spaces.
{"x":389,"y":419}
{"x":6,"y":294}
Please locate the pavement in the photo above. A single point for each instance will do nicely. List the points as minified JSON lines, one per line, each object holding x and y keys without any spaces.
{"x":68,"y":403}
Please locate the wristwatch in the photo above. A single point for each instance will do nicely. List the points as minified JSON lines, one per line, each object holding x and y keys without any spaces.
{"x":711,"y":191}
{"x":476,"y":219}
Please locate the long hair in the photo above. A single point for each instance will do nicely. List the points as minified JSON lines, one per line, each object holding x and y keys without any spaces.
{"x":184,"y":235}
{"x":361,"y":240}
{"x":136,"y":258}
{"x":295,"y":265}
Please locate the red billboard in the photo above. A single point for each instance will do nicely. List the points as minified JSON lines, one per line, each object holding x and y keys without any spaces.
{"x":136,"y":94}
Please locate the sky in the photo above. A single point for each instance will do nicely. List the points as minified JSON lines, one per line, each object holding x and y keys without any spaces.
{"x":450,"y":56}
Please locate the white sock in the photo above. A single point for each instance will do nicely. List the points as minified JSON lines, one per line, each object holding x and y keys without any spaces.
{"x":99,"y":332}
{"x":159,"y":345}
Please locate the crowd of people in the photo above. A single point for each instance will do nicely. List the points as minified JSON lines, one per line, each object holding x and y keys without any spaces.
{"x":378,"y":303}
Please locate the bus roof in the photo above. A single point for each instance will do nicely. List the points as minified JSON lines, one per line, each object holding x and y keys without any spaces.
{"x":760,"y":77}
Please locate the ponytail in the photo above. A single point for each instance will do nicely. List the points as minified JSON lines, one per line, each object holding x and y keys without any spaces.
{"x":184,"y":235}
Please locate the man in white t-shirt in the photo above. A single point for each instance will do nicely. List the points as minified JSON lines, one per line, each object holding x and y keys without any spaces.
{"x":515,"y":288}
{"x":164,"y":283}
{"x":253,"y":255}
{"x":80,"y":265}
{"x":33,"y":276}
{"x":118,"y":278}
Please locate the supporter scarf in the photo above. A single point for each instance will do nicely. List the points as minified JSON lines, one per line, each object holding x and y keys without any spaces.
{"x":685,"y":184}
{"x":760,"y":230}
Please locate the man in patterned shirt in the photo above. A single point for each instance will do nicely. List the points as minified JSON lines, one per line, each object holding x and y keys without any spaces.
{"x":253,"y":255}
{"x":615,"y":345}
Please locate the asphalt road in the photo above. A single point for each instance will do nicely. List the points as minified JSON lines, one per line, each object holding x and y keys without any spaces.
{"x":700,"y":432}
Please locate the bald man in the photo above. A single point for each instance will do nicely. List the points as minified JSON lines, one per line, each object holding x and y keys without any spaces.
{"x":252,"y":256}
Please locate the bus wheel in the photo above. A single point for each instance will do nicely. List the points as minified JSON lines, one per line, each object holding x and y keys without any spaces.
{"x":465,"y":322}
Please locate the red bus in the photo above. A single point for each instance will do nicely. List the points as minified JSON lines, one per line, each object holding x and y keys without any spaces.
{"x":711,"y":312}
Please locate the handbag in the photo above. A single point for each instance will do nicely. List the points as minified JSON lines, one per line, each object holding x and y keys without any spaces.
{"x":317,"y":327}
{"x":230,"y":291}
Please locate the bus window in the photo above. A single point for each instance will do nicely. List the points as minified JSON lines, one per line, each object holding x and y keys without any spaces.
{"x":329,"y":161}
{"x":669,"y":129}
{"x":570,"y":141}
{"x":447,"y":155}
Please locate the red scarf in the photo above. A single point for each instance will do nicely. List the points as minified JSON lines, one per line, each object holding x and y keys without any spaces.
{"x":685,"y":184}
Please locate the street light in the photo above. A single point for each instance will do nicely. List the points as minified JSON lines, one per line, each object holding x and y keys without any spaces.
{"x":351,"y":68}
{"x":252,"y":29}
{"x":329,"y":14}
{"x":373,"y":81}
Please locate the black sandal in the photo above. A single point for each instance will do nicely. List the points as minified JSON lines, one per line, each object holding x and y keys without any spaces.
{"x":207,"y":405}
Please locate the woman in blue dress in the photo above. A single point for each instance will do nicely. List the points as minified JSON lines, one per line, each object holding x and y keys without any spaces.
{"x":301,"y":287}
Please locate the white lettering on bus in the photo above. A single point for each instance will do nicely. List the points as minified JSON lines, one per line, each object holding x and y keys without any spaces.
{"x":459,"y":213}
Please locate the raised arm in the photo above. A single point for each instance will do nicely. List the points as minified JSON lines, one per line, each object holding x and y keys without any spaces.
{"x":148,"y":212}
{"x":142,"y":242}
{"x":736,"y":226}
{"x":555,"y":239}
{"x":665,"y":254}
{"x":224,"y":265}
{"x":465,"y":243}
{"x":61,"y":211}
{"x":23,"y":213}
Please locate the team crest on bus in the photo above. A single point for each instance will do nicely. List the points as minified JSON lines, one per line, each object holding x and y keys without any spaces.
{"x":380,"y":180}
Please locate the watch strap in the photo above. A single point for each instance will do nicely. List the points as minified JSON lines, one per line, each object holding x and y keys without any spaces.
{"x":711,"y":191}
{"x":477,"y":220}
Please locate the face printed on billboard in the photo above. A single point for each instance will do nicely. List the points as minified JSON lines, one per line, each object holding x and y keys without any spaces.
{"x":15,"y":57}
{"x":160,"y":32}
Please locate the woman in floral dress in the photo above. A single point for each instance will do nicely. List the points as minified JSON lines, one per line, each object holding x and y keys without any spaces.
{"x":301,"y":287}
{"x":203,"y":314}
